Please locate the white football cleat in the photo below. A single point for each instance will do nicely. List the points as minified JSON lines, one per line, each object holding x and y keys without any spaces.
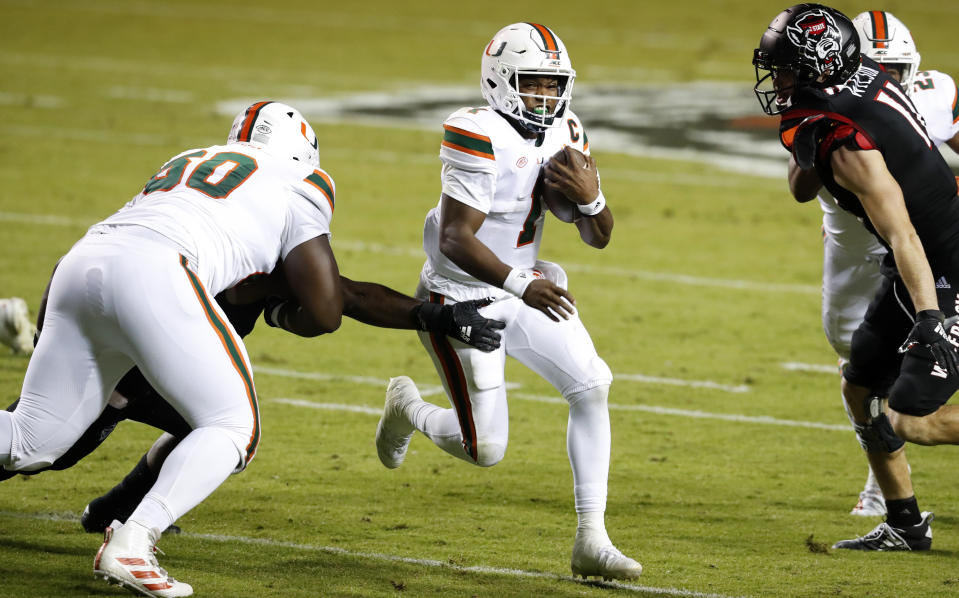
{"x":394,"y":431}
{"x":871,"y":504}
{"x":127,"y":558}
{"x":16,"y":328}
{"x":592,"y":558}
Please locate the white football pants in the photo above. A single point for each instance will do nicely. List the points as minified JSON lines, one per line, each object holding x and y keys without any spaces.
{"x":476,"y":429}
{"x":850,"y":279}
{"x":127,"y":298}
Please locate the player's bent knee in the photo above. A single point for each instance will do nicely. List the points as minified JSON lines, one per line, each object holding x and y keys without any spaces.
{"x":591,"y":397}
{"x":245,"y":437}
{"x":489,"y":454}
{"x":28,"y":452}
{"x":876,"y":434}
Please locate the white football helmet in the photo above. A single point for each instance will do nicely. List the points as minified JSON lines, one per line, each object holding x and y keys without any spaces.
{"x":279,"y":129}
{"x":526,"y":49}
{"x":886,"y":40}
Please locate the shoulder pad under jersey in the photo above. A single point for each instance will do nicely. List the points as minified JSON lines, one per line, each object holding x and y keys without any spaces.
{"x":467,"y":139}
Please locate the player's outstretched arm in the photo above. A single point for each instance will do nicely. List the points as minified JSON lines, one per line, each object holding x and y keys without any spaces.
{"x":378,"y":305}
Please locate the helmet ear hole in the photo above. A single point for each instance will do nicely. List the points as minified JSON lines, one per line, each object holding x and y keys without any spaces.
{"x":491,"y":83}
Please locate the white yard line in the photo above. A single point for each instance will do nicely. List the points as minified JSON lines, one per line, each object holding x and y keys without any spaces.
{"x":796,"y":366}
{"x":732,"y":417}
{"x":377,"y":411}
{"x":391,"y":558}
{"x":417,"y":253}
{"x":426,"y":389}
{"x":739,"y":388}
{"x":516,"y":394}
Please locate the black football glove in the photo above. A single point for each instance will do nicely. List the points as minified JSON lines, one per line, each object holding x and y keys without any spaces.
{"x":463,"y":322}
{"x":928,"y":332}
{"x":809,"y":134}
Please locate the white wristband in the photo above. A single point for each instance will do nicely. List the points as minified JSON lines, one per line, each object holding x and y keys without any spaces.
{"x":593,"y":208}
{"x":517,"y":280}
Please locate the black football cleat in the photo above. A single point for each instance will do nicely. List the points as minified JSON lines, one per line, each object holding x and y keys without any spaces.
{"x":886,"y":537}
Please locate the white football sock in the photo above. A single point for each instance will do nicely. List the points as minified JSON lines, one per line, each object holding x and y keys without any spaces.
{"x":588,"y":444}
{"x":190,"y":473}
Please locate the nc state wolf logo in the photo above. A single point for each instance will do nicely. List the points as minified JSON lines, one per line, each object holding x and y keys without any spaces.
{"x":819,"y":38}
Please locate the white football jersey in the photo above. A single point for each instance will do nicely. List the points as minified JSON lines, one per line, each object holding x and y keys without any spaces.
{"x":234,"y":209}
{"x":935,"y":97}
{"x":489,"y":166}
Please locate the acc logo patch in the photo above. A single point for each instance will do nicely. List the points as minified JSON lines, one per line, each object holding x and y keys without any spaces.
{"x":521,"y":162}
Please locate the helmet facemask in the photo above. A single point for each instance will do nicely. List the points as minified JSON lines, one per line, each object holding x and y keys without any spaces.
{"x":816,"y":44}
{"x":546,"y":109}
{"x":773,"y":88}
{"x":526,"y":50}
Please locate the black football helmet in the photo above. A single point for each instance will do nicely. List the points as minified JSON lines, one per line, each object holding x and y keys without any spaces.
{"x":817,"y":44}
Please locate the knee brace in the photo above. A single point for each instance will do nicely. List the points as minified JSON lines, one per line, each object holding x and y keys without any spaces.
{"x":876,"y":434}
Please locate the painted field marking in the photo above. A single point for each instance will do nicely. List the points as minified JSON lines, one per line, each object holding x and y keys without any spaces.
{"x":85,"y":135}
{"x":739,"y":388}
{"x":796,"y":366}
{"x":379,"y":248}
{"x":427,"y":390}
{"x":391,"y":558}
{"x":731,"y":417}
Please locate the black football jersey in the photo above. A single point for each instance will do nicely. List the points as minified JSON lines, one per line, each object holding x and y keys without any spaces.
{"x":871,"y":111}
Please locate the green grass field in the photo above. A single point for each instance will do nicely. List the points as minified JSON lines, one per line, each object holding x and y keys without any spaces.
{"x":730,"y":472}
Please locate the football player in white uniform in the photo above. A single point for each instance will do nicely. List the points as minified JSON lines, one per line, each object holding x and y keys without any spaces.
{"x":851,"y":255}
{"x":138,"y":290}
{"x":482,"y":239}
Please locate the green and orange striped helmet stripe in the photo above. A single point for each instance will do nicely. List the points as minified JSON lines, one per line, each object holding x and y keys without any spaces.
{"x":880,"y":29}
{"x":222,"y":330}
{"x":246,"y":129}
{"x":549,"y":40}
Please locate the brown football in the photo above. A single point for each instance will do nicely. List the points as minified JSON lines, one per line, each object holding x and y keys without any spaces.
{"x":561,"y":207}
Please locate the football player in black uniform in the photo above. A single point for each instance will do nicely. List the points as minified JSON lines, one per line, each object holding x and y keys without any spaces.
{"x":850,"y":125}
{"x":134,"y":399}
